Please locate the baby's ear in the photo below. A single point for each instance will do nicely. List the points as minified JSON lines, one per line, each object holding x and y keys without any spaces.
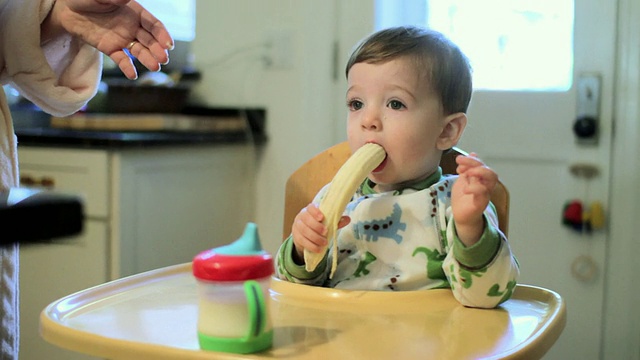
{"x":454,"y":125}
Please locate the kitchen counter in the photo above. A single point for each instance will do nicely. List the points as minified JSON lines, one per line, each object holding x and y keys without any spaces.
{"x":109,"y":131}
{"x":121,"y":139}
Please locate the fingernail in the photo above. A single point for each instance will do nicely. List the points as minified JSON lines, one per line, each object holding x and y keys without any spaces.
{"x":170,"y":45}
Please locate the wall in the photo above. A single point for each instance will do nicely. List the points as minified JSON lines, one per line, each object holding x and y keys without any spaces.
{"x":230,"y":48}
{"x":304,"y":100}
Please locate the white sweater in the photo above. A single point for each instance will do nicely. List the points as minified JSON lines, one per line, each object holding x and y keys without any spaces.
{"x":406,"y":240}
{"x":60,"y":78}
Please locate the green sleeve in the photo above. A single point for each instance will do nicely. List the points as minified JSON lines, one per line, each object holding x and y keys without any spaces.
{"x":299,"y":271}
{"x":480,"y":254}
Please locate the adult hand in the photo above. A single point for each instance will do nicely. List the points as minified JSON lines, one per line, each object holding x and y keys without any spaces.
{"x":111,"y":26}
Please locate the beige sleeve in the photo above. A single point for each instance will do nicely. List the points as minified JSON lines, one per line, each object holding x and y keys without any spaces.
{"x":59,"y":77}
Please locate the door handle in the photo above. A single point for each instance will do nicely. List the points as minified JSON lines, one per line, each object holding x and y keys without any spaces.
{"x":586,"y":125}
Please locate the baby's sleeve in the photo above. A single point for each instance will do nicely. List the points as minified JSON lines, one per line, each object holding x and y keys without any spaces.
{"x":483,"y":275}
{"x":287,"y":269}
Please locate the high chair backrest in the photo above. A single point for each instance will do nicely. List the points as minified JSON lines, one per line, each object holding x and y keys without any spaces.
{"x":309,"y":178}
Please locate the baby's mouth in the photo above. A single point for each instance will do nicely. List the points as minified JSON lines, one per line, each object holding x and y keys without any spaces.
{"x":380,"y":167}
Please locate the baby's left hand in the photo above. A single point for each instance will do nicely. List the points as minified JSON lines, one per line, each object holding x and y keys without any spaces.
{"x":470,"y":196}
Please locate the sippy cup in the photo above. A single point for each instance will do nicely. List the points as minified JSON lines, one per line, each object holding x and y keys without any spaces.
{"x":233,"y":294}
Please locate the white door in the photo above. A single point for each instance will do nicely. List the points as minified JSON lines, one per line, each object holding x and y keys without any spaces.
{"x":528,"y":137}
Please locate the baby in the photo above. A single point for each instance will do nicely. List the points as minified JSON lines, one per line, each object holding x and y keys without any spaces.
{"x":408,"y":227}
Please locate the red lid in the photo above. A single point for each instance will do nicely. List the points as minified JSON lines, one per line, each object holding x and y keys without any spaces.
{"x":212,"y":266}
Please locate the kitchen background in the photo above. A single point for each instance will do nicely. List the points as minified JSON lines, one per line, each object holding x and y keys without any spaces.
{"x":288,"y":57}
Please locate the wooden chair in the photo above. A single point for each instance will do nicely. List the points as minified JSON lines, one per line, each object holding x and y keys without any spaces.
{"x":309,"y":178}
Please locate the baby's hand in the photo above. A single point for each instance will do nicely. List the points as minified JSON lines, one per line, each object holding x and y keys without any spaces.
{"x":470,"y":197}
{"x":309,"y":232}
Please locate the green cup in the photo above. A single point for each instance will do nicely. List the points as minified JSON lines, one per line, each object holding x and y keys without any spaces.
{"x":233,"y":292}
{"x":234,"y":325}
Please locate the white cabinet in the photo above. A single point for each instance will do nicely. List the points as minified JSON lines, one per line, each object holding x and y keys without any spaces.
{"x":170,"y":203}
{"x":145,"y":208}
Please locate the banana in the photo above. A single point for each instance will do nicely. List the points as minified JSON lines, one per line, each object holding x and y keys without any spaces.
{"x":341,"y":189}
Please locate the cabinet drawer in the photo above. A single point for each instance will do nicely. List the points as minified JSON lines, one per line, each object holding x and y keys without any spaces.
{"x":77,"y":171}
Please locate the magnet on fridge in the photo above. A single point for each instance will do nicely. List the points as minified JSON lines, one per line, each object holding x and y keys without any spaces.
{"x":572,"y":214}
{"x":596,"y":215}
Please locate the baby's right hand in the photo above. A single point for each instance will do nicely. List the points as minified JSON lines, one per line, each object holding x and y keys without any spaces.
{"x":309,"y":232}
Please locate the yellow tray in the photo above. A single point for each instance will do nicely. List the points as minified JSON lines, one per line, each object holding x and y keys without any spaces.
{"x":153,"y":315}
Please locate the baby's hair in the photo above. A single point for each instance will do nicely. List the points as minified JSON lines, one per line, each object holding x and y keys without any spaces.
{"x":436,"y":58}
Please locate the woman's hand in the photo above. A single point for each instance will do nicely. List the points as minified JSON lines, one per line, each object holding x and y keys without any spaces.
{"x":112,"y":26}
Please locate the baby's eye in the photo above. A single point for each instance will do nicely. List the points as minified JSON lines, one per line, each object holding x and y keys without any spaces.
{"x":354,"y":105}
{"x":396,"y":105}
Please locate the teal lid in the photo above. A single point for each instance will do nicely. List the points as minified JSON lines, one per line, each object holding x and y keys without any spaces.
{"x":247,"y":244}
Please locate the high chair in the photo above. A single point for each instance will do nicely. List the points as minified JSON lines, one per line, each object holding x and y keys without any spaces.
{"x":153,"y":315}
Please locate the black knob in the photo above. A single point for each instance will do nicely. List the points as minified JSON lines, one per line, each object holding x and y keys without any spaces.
{"x":585,"y":127}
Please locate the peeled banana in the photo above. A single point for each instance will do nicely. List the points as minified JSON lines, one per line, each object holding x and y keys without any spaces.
{"x":341,"y":189}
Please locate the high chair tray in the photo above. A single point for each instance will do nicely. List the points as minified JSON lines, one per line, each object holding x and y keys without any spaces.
{"x":153,"y":315}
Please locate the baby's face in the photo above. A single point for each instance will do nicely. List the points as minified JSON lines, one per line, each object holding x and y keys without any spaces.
{"x":391,"y":105}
